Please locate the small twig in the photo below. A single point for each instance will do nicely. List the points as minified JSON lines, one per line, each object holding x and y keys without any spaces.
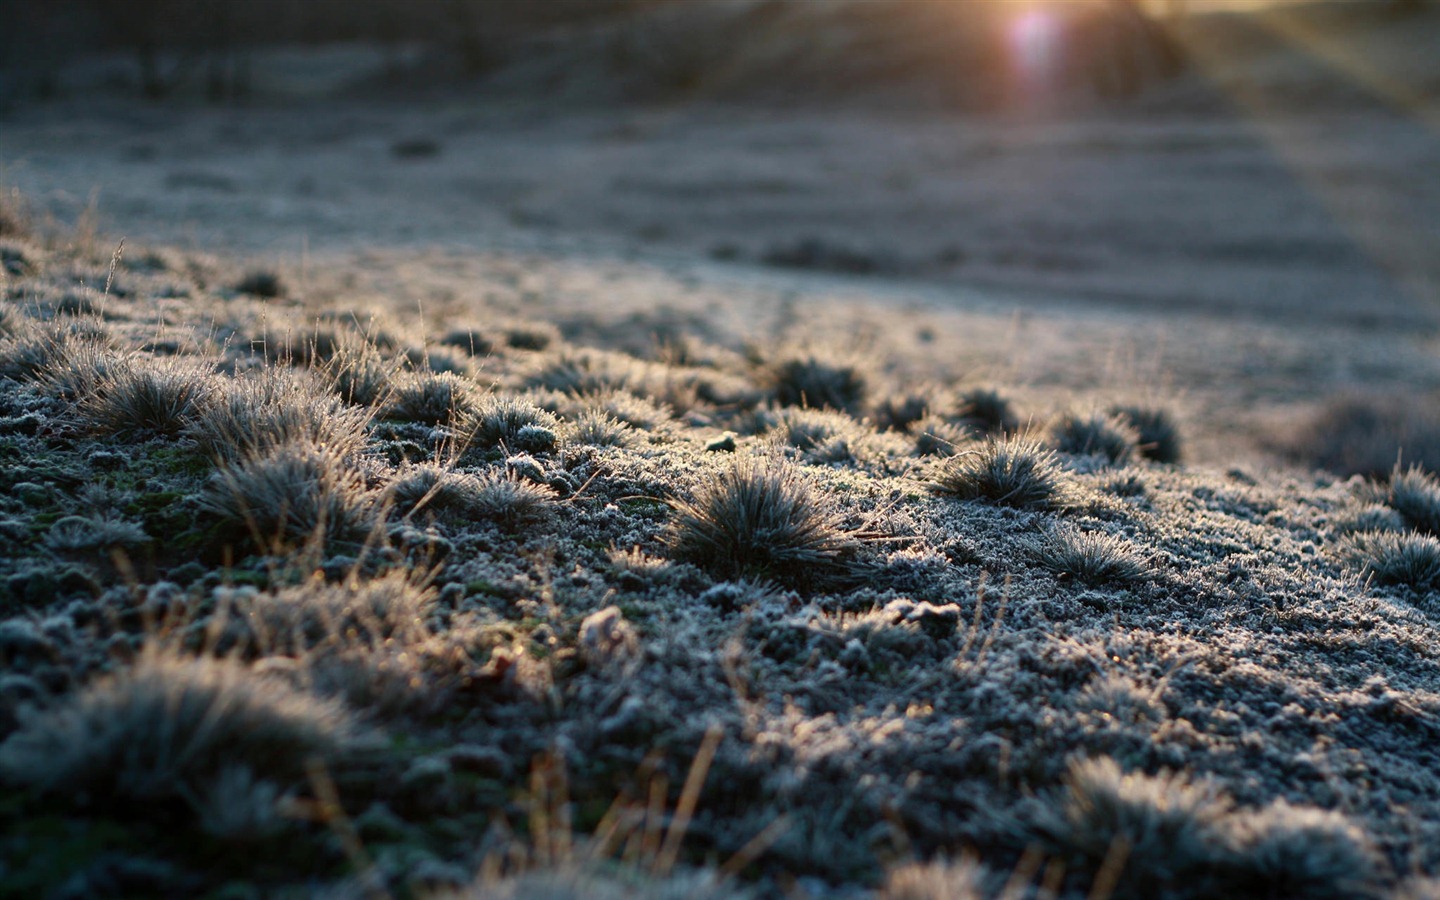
{"x":1024,"y":873}
{"x":979,"y":609}
{"x":650,"y":836}
{"x":1052,"y":880}
{"x":999,"y":619}
{"x":689,"y":796}
{"x":754,"y":848}
{"x":1108,"y":878}
{"x":114,"y":262}
{"x":333,"y":815}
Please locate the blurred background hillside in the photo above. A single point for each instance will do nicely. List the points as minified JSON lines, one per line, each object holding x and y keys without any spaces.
{"x":967,"y":54}
{"x":1185,"y":177}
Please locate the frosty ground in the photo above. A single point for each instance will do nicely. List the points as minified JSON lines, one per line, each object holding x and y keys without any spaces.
{"x":456,"y":597}
{"x":460,"y":500}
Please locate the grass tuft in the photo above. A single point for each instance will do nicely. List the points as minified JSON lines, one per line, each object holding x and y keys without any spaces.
{"x":17,"y":219}
{"x":597,"y":428}
{"x":964,"y":879}
{"x":265,"y":283}
{"x":429,"y":487}
{"x":1164,"y":825}
{"x":1415,"y":495}
{"x":898,"y":412}
{"x":509,"y":420}
{"x":253,"y":413}
{"x":510,"y":500}
{"x":1364,"y":433}
{"x":13,"y":324}
{"x":823,"y":435}
{"x":820,"y":382}
{"x":985,"y":410}
{"x":353,"y":612}
{"x":1367,"y":517}
{"x":79,"y":367}
{"x":530,"y":335}
{"x":1288,"y":851}
{"x":637,"y":412}
{"x":1016,"y":472}
{"x":586,"y":371}
{"x":1173,"y":837}
{"x":1090,"y":557}
{"x":144,"y":398}
{"x":1397,"y":558}
{"x":497,"y":496}
{"x":97,"y":532}
{"x":935,"y":436}
{"x":763,"y":520}
{"x":432,"y":398}
{"x":358,"y":372}
{"x":163,"y":728}
{"x":1159,"y":435}
{"x":1096,"y":435}
{"x":473,"y":342}
{"x":67,"y":360}
{"x":290,"y":495}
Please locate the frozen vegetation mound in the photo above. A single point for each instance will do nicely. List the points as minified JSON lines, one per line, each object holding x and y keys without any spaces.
{"x":301,"y":597}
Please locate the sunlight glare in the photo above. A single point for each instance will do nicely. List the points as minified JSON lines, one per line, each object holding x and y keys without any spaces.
{"x":1034,"y":39}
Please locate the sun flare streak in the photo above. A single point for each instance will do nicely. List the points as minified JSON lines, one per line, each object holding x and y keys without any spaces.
{"x":1375,"y":221}
{"x":1347,"y":61}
